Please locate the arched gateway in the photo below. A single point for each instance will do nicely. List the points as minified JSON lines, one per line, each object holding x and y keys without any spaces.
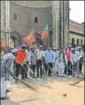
{"x":16,"y":38}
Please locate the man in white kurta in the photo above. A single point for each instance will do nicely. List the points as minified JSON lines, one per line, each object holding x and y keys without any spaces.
{"x":75,"y":64}
{"x":61,"y":63}
{"x":55,"y":69}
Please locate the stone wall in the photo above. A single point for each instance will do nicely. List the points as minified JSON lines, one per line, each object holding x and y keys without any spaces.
{"x":33,"y":4}
{"x":47,"y":12}
{"x":25,"y":19}
{"x":64,"y":24}
{"x":55,"y":22}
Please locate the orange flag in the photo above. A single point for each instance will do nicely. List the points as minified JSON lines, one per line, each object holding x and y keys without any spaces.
{"x":30,"y":38}
{"x":45,"y":33}
{"x":4,"y":43}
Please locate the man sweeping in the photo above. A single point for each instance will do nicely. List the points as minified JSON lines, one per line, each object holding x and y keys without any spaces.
{"x":6,"y":67}
{"x":20,"y":61}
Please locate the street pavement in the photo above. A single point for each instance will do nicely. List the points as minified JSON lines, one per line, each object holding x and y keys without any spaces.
{"x":41,"y":82}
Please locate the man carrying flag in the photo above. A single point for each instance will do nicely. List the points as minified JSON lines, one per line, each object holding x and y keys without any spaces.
{"x":45,"y":33}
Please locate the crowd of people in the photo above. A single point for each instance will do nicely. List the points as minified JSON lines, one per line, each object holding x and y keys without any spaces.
{"x":38,"y":62}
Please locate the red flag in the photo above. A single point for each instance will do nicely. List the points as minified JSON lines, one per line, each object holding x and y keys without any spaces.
{"x":4,"y":43}
{"x":30,"y":38}
{"x":45,"y":33}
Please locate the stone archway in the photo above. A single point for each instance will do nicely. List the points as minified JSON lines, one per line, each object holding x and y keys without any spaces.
{"x":16,"y":38}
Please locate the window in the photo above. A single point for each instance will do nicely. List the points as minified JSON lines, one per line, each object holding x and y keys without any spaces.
{"x":81,"y":41}
{"x":77,"y":41}
{"x":15,"y":16}
{"x":73,"y":41}
{"x":36,"y":20}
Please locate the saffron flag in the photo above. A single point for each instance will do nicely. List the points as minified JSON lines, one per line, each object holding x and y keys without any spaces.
{"x":4,"y":43}
{"x":45,"y":33}
{"x":30,"y":38}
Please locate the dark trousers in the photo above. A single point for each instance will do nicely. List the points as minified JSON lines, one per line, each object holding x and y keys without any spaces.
{"x":17,"y":71}
{"x":48,"y":68}
{"x":74,"y":68}
{"x":26,"y":69}
{"x":20,"y":68}
{"x":33,"y":67}
{"x":45,"y":67}
{"x":65,"y":70}
{"x":80,"y":67}
{"x":39,"y":67}
{"x":80,"y":64}
{"x":69,"y":68}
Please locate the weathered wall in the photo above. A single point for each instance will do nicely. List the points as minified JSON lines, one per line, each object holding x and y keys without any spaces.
{"x":47,"y":12}
{"x":25,"y":19}
{"x":33,"y":4}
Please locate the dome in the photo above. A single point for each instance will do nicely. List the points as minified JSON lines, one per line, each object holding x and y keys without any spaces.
{"x":35,"y":4}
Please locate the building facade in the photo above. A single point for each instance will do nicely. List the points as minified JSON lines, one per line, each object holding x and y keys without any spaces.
{"x":76,"y":32}
{"x":19,"y":17}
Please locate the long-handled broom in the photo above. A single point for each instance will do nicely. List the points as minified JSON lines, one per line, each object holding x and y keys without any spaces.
{"x":29,"y":86}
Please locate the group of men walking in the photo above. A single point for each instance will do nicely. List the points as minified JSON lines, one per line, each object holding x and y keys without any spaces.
{"x":61,"y":61}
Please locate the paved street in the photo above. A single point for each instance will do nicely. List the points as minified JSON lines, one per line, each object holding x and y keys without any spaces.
{"x":46,"y":83}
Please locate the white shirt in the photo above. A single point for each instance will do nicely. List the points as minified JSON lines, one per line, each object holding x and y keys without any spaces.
{"x":9,"y":55}
{"x":40,"y":54}
{"x":74,"y":57}
{"x":79,"y":54}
